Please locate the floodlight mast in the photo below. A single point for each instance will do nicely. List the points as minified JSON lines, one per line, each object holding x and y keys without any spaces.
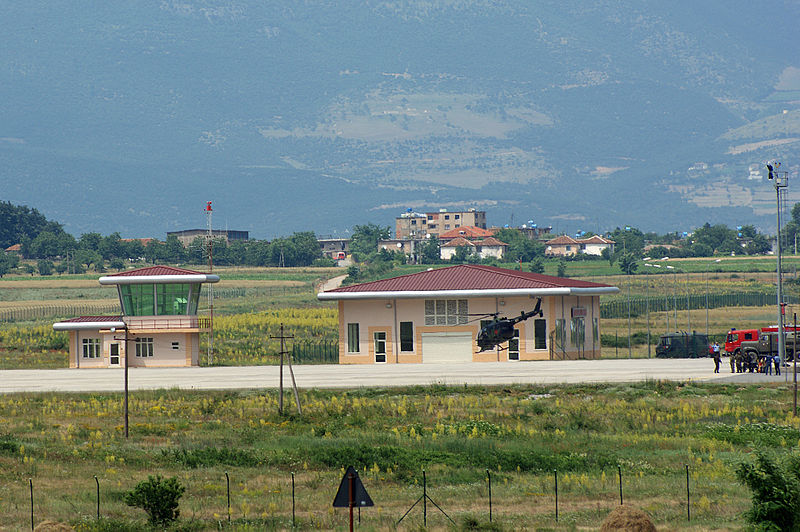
{"x":780,"y":180}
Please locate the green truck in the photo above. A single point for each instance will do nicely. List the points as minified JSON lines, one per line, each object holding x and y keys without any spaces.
{"x":682,"y":345}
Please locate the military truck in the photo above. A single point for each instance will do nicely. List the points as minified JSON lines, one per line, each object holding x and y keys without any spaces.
{"x":682,"y":345}
{"x":767,"y":345}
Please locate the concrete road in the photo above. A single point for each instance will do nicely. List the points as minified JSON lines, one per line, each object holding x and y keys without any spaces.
{"x":335,"y":376}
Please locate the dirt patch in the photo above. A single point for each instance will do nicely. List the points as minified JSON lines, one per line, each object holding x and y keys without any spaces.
{"x":52,"y":526}
{"x":627,"y":519}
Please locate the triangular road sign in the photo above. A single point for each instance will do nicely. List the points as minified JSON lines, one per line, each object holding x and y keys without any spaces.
{"x":360,"y":495}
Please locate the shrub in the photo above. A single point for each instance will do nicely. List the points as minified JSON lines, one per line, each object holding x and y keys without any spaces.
{"x":776,"y":492}
{"x":158,"y":497}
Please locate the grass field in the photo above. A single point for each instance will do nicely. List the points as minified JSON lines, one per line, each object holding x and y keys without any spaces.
{"x":521,"y":435}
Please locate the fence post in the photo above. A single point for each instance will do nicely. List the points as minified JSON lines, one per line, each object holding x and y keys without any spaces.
{"x":293,"y":521}
{"x":619,"y":470}
{"x":30,"y":482}
{"x":688,"y":507}
{"x":98,"y":496}
{"x":228,"y":484}
{"x":489,"y":476}
{"x":555,"y":476}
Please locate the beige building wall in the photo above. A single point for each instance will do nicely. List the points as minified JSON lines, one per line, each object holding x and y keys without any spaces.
{"x":185,"y":352}
{"x":385,"y":315}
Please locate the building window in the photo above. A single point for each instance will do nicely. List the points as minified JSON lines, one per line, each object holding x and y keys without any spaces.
{"x":446,"y":216}
{"x":352,"y":338}
{"x":540,"y":334}
{"x":447,"y":226}
{"x":176,"y":345}
{"x":446,"y":311}
{"x":379,"y":341}
{"x":144,"y":347}
{"x":406,"y":336}
{"x":457,"y":216}
{"x":91,"y":348}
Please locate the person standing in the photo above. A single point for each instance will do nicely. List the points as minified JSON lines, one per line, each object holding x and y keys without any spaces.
{"x":715,"y":347}
{"x":777,"y":361}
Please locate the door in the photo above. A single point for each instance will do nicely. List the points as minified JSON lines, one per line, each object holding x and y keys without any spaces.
{"x":513,"y":346}
{"x":113,"y":358}
{"x":447,"y":347}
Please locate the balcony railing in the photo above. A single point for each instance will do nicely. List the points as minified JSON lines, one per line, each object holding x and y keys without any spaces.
{"x":168,"y":322}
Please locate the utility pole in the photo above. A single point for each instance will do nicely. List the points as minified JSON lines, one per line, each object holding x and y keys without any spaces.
{"x":780,"y":180}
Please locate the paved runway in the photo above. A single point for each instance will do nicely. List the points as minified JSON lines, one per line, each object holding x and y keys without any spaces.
{"x":335,"y":376}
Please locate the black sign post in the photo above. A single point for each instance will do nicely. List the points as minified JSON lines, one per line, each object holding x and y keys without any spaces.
{"x":352,"y":493}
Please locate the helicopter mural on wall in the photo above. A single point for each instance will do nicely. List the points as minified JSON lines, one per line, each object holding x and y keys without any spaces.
{"x":501,"y":330}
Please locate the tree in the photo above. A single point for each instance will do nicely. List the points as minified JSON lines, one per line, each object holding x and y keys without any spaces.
{"x":157,"y":496}
{"x":307,"y":248}
{"x":7,"y":262}
{"x":19,"y":221}
{"x":627,"y":263}
{"x":536,"y":265}
{"x":365,"y":238}
{"x":45,"y":267}
{"x":154,"y":251}
{"x":174,"y":252}
{"x":111,"y":246}
{"x":520,"y":247}
{"x":561,"y":270}
{"x":430,"y":251}
{"x":609,"y":255}
{"x":775,"y":486}
{"x":628,"y":240}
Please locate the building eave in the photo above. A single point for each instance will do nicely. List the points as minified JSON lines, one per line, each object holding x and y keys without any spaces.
{"x":159,"y":279}
{"x":87,"y":325}
{"x":432,"y":294}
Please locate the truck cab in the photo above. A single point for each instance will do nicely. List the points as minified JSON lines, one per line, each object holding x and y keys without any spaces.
{"x":734,"y":339}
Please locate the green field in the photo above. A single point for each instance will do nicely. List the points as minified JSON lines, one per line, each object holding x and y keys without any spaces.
{"x":649,"y":432}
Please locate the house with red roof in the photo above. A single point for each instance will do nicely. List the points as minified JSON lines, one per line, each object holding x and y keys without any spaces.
{"x":436,"y":315}
{"x":564,"y":245}
{"x":158,"y":326}
{"x":488,"y":247}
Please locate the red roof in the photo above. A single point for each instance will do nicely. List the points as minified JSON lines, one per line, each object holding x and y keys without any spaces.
{"x":156,"y":270}
{"x":596,"y":240}
{"x":14,"y":247}
{"x":491,"y":241}
{"x":86,"y":319}
{"x":456,"y":242}
{"x":561,"y":240}
{"x":468,"y":277}
{"x":467,"y":231}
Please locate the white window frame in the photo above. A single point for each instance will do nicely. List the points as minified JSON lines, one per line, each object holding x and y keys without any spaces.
{"x":91,"y":347}
{"x":353,"y":339}
{"x":446,"y":311}
{"x":144,"y":347}
{"x":379,"y":345}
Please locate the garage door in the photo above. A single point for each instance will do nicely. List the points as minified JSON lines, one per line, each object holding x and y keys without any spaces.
{"x":447,"y":347}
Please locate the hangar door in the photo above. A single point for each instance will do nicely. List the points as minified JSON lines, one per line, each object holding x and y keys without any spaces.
{"x":441,"y":347}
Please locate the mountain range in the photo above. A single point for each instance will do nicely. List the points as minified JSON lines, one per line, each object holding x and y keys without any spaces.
{"x":318,"y":115}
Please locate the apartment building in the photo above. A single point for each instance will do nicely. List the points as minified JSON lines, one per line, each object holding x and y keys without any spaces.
{"x":414,"y":225}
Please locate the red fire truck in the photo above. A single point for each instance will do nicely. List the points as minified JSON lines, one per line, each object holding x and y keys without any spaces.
{"x":734,"y":339}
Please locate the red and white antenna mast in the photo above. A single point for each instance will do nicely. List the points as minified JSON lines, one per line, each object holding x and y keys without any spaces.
{"x":210,"y":249}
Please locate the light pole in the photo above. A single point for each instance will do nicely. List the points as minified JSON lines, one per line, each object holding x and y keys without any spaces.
{"x":707,"y":268}
{"x":674,"y":292}
{"x":780,"y":180}
{"x":125,"y":378}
